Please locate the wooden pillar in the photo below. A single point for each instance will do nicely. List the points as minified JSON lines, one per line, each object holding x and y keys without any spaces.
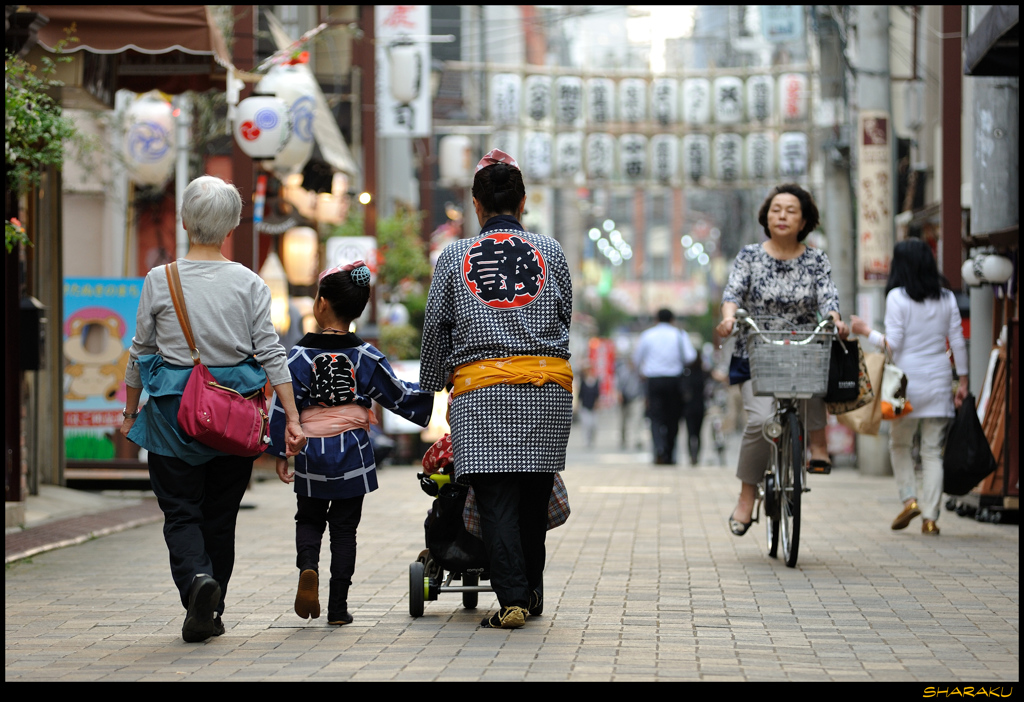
{"x":244,"y":245}
{"x":952,"y":98}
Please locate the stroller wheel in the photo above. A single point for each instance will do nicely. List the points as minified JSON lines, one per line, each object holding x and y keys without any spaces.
{"x":417,"y":585}
{"x":470,"y":599}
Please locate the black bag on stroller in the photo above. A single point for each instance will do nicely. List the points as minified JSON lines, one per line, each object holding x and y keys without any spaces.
{"x":451,"y":546}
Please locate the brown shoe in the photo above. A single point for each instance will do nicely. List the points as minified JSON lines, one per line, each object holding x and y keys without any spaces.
{"x":904,"y":518}
{"x":929,"y":527}
{"x":307,"y":599}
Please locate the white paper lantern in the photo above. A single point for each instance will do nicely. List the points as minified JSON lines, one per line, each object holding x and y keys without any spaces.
{"x":569,"y":153}
{"x":728,"y":96}
{"x":760,"y":98}
{"x":505,"y":98}
{"x":405,"y":71}
{"x":987,"y":269}
{"x":600,"y":150}
{"x":633,"y":156}
{"x":632,"y":100}
{"x":793,"y":154}
{"x":505,"y":139}
{"x":664,"y":157}
{"x":538,"y":97}
{"x":455,"y":158}
{"x":665,"y":101}
{"x":793,"y":97}
{"x":149,"y":142}
{"x":300,"y":246}
{"x":297,"y":87}
{"x":696,"y":101}
{"x":696,"y":156}
{"x":760,"y":164}
{"x":600,"y":100}
{"x":568,"y":99}
{"x":537,"y":155}
{"x":262,"y":126}
{"x":728,"y":149}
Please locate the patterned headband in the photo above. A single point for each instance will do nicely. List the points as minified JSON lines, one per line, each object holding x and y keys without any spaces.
{"x":496,"y":156}
{"x":360,"y":272}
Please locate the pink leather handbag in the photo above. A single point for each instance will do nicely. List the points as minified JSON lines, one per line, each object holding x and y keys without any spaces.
{"x":212,"y":414}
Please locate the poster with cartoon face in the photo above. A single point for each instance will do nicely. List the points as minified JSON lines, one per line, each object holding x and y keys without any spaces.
{"x":99,"y":323}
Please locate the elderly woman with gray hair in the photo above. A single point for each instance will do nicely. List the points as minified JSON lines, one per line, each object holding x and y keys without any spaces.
{"x":199,"y":488}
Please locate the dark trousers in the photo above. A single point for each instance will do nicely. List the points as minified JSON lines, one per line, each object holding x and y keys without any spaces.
{"x":694,"y":421}
{"x":311,"y":518}
{"x":513,"y":519}
{"x":200,"y":506}
{"x":664,"y":408}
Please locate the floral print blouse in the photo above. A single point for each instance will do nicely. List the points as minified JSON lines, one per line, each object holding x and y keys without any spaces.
{"x":798,"y":289}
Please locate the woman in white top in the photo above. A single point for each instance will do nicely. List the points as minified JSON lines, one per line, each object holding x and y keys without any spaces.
{"x":920,"y":316}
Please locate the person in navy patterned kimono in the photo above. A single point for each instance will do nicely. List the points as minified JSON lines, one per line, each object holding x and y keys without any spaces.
{"x":336,"y":377}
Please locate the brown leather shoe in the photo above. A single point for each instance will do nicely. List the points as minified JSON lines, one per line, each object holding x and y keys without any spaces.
{"x":904,"y":518}
{"x":929,"y":527}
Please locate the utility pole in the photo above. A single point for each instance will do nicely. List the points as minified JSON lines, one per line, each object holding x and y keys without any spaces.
{"x":874,"y":94}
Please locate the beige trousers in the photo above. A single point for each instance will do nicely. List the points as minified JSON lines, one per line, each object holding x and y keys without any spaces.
{"x":755,"y":451}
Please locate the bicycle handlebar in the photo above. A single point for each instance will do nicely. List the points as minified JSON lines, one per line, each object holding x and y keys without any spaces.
{"x":825,"y":327}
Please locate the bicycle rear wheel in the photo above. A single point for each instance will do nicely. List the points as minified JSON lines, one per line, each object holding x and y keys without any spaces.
{"x":791,"y":471}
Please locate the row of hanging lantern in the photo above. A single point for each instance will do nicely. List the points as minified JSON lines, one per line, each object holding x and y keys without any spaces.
{"x":571,"y":100}
{"x":662,"y":158}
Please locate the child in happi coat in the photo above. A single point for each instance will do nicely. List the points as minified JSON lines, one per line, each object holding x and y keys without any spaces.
{"x":336,"y":376}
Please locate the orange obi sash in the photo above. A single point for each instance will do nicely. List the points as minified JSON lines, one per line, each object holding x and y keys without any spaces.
{"x":330,"y":421}
{"x":517,"y":370}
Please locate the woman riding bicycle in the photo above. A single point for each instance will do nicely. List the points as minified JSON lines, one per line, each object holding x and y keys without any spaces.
{"x":784,"y":278}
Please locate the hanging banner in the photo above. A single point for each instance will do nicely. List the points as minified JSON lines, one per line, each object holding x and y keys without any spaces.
{"x":633,"y":100}
{"x":600,"y":156}
{"x":633,"y":156}
{"x":569,"y":100}
{"x":405,"y":112}
{"x":505,"y":96}
{"x":664,"y":157}
{"x":793,"y":97}
{"x":728,"y":150}
{"x":665,"y":101}
{"x":874,"y":197}
{"x":696,"y":156}
{"x":569,"y":153}
{"x":696,"y":101}
{"x":793,"y":154}
{"x":760,"y":98}
{"x":99,"y":323}
{"x":600,"y":100}
{"x":538,"y":97}
{"x":759,"y":160}
{"x":728,"y":98}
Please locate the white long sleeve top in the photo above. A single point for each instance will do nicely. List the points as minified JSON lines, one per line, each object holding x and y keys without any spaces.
{"x":917,"y":333}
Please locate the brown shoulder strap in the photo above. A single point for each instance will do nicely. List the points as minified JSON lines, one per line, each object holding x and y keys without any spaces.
{"x":178,"y":298}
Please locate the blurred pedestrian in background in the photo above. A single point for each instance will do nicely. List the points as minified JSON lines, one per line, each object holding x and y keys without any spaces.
{"x":662,"y":356}
{"x":199,"y":488}
{"x":921,"y":317}
{"x":694,"y":405}
{"x":590,"y":393}
{"x":630,"y":391}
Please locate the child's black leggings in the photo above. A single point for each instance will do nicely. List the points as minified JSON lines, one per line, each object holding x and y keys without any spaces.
{"x":311,"y":519}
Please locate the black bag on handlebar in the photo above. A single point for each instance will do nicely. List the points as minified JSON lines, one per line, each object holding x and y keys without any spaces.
{"x":844,"y":372}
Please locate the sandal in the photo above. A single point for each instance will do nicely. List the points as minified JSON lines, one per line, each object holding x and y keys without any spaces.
{"x":737,"y":527}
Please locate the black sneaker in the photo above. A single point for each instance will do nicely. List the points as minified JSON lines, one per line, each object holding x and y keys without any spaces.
{"x":203,"y":598}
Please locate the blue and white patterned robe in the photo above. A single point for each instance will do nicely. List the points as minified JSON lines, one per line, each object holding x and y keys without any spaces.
{"x":330,"y":370}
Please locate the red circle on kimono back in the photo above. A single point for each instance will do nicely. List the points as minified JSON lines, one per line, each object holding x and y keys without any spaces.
{"x":504,"y":270}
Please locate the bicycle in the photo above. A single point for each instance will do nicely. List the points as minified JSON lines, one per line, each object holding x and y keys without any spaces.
{"x":791,"y":365}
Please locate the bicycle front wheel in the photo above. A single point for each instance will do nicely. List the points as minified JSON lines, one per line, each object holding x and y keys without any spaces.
{"x":791,"y":487}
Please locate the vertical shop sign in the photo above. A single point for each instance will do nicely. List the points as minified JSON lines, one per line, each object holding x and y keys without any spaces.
{"x":793,"y":154}
{"x":99,"y":324}
{"x":874,"y":197}
{"x":696,"y":101}
{"x":600,"y":156}
{"x":696,"y":156}
{"x":600,"y":100}
{"x":759,"y":156}
{"x":394,"y":26}
{"x":568,"y":99}
{"x":728,"y":150}
{"x":665,"y":101}
{"x":506,"y":91}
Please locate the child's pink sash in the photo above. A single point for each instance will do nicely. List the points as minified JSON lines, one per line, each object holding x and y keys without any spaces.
{"x":331,"y":421}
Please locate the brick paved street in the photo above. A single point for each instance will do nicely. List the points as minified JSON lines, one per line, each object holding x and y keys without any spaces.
{"x":644,"y":583}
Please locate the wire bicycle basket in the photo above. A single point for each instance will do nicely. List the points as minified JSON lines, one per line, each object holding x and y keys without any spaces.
{"x":784,"y":367}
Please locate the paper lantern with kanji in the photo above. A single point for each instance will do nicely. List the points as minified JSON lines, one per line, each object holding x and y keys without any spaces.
{"x":149,"y":143}
{"x":296,"y":86}
{"x":262,"y":126}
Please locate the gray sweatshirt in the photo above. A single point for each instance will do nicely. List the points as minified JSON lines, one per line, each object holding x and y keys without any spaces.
{"x":229,"y":308}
